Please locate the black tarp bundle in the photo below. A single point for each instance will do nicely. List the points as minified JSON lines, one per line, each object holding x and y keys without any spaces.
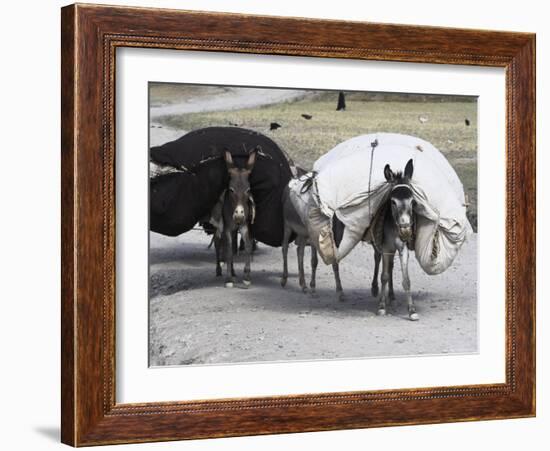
{"x":193,"y":175}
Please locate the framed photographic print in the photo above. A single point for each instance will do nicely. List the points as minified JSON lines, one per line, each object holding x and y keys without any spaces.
{"x":279,"y":225}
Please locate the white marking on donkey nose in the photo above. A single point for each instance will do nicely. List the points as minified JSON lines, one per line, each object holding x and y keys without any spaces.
{"x":404,"y":220}
{"x":239,"y":211}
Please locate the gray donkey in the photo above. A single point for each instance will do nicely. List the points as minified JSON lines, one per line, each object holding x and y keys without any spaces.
{"x":398,"y":236}
{"x":234,"y":213}
{"x":294,"y":224}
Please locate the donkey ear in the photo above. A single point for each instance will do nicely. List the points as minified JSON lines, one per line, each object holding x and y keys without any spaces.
{"x":229,"y":159}
{"x":388,"y":173}
{"x":252,"y":158}
{"x":409,"y":169}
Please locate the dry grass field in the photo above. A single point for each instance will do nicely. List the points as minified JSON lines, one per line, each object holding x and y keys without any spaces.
{"x":306,"y":140}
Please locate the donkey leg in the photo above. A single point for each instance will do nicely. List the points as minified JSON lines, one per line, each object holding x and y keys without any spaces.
{"x":404,"y":259}
{"x":300,"y":252}
{"x":385,"y":279}
{"x":339,"y":289}
{"x":314,"y":263}
{"x":234,"y":251}
{"x":374,"y":286}
{"x":247,"y":238}
{"x":217,"y":245}
{"x":286,"y":236}
{"x":391,"y":294}
{"x":235,"y":243}
{"x":229,"y":277}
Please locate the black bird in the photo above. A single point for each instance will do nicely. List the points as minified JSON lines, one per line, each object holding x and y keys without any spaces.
{"x":467,"y":122}
{"x":274,"y":126}
{"x":307,"y":116}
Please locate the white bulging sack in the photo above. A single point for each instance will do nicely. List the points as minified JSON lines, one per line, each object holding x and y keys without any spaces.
{"x":348,"y":181}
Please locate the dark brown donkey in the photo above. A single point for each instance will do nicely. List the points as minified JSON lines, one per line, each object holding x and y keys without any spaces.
{"x":237,"y":212}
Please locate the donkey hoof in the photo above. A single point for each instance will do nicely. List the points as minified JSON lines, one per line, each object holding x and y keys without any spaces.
{"x":381,"y":312}
{"x":304,"y":289}
{"x":341,"y":297}
{"x":247,"y":283}
{"x":228,"y":284}
{"x":374,"y":291}
{"x":283,"y":281}
{"x":414,"y":316}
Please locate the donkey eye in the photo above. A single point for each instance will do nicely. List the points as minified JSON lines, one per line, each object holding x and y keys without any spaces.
{"x":232,"y":189}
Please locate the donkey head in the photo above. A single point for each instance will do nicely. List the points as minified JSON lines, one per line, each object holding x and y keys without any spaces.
{"x":239,"y":195}
{"x":401,"y":200}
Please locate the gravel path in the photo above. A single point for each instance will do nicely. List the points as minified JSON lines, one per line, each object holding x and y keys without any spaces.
{"x":195,"y":320}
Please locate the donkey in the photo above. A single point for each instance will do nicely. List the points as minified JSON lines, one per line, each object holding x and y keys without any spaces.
{"x":237,"y":215}
{"x":398,"y":235}
{"x":294,"y":224}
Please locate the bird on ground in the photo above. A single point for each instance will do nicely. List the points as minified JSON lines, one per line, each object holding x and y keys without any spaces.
{"x":274,"y":126}
{"x":467,"y":122}
{"x":423,"y":119}
{"x":307,"y":116}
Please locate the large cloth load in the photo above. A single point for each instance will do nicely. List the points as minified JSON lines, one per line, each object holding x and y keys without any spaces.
{"x":188,"y":176}
{"x":349,"y":182}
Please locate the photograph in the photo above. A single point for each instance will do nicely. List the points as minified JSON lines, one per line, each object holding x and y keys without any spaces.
{"x":304,"y":224}
{"x":281,"y":222}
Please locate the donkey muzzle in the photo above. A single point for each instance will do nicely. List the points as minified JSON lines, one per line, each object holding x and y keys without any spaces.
{"x":239,"y":215}
{"x":405,"y":231}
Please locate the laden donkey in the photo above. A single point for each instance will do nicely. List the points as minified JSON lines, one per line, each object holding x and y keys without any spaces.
{"x":234,"y":213}
{"x":294,"y":224}
{"x":398,"y":235}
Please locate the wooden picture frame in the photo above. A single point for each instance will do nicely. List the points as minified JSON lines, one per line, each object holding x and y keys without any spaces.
{"x":90,"y":37}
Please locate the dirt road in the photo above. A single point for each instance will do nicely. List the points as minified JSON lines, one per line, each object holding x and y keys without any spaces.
{"x":194,"y":319}
{"x":230,"y":99}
